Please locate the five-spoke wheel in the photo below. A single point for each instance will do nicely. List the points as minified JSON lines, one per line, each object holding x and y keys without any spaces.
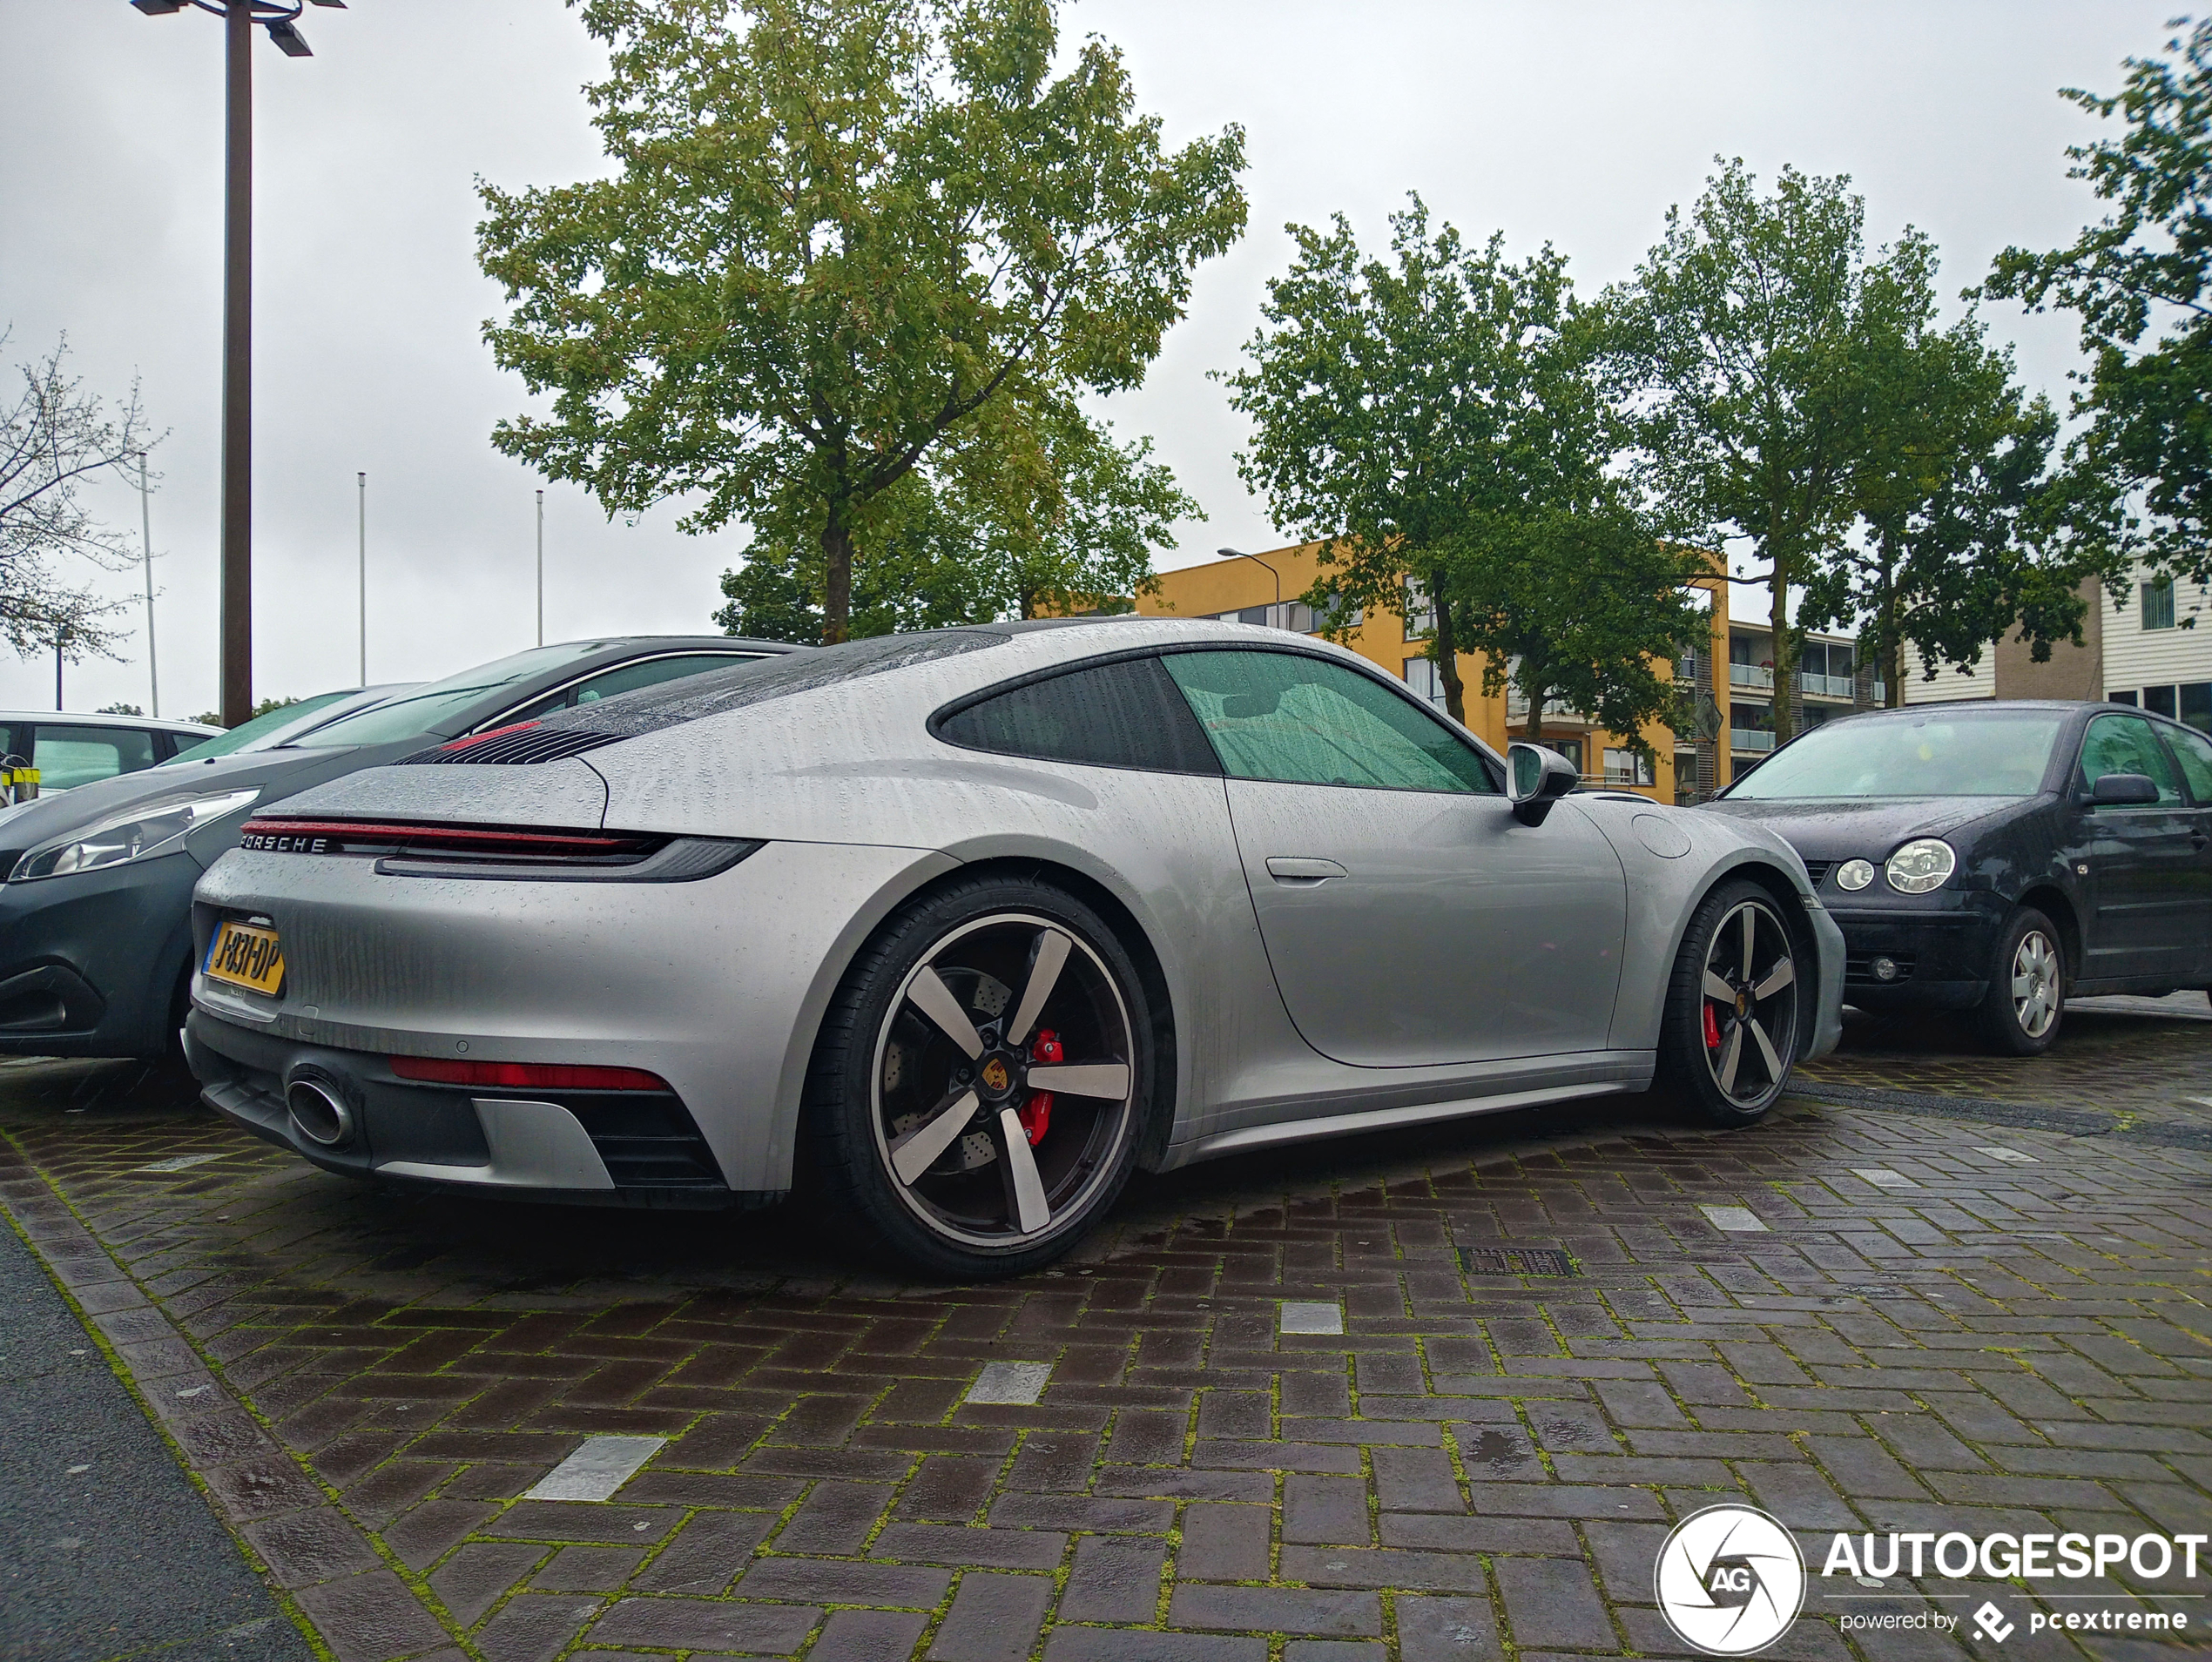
{"x":988,"y":1087}
{"x":1730,"y":1036}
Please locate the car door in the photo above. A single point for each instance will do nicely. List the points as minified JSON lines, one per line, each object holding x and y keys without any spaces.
{"x":1409,"y":918}
{"x":2141,"y":860}
{"x":2193,"y":752}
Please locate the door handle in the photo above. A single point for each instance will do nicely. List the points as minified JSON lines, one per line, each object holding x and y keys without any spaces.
{"x":1302,"y":871}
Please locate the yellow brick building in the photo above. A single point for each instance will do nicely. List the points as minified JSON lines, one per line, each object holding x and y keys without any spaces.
{"x":1247,"y":588}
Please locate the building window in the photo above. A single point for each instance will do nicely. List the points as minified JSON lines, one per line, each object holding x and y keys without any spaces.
{"x":1628,"y":767}
{"x":1570,"y":748}
{"x":2158,"y":604}
{"x":1420,"y":614}
{"x":1421,"y":676}
{"x":2196,"y":704}
{"x":2127,"y":698}
{"x":2159,"y":701}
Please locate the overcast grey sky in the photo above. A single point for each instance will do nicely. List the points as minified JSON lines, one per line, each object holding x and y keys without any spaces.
{"x":1576,"y":125}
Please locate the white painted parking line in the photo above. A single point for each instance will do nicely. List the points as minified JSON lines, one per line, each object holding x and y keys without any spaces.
{"x":1995,"y":1153}
{"x":1883,"y":1177}
{"x":1300,"y":1317}
{"x":1737,"y":1219}
{"x":179,"y":1163}
{"x":1016,"y":1384}
{"x":2200,"y":1102}
{"x":602,"y":1465}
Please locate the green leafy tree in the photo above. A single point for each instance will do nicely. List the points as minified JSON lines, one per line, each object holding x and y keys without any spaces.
{"x":1433,"y":418}
{"x":1070,"y":525}
{"x":1956,"y":539}
{"x":1740,"y":336}
{"x":844,"y":244}
{"x":2138,"y":281}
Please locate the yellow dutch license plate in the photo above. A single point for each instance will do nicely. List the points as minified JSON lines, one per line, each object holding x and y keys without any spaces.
{"x":246,"y":955}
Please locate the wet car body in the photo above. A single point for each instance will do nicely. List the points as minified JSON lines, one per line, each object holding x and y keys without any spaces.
{"x":661,"y":1028}
{"x":2128,"y":885}
{"x":94,"y":962}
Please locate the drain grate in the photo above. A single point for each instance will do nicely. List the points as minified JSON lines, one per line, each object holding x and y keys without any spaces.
{"x":1518,"y":1261}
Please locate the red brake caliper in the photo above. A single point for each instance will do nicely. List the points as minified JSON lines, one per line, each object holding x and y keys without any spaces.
{"x":1712,"y":1030}
{"x":1036,"y":1117}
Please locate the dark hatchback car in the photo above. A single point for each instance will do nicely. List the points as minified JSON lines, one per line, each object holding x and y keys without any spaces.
{"x":2001,"y":857}
{"x":96,"y":911}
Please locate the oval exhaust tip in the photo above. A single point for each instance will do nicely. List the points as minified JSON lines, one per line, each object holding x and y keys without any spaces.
{"x":318,"y":1114}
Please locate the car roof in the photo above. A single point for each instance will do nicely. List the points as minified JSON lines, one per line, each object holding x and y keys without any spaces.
{"x":101,"y":718}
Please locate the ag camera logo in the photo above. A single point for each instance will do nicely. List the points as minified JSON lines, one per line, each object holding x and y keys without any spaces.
{"x":1729,"y":1580}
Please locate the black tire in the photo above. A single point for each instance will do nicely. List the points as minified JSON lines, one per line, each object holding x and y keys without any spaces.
{"x":1001,"y":1188}
{"x":1730,"y":1066}
{"x":2021,"y":1012}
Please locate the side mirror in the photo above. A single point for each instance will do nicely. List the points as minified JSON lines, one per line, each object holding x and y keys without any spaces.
{"x":2124,"y":790}
{"x":1535,"y":778}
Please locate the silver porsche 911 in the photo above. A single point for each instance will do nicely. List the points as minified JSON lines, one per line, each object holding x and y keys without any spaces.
{"x":969,"y":923}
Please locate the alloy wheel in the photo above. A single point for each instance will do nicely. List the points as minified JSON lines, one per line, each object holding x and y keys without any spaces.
{"x":2035,"y":983}
{"x":1002,"y":1081}
{"x":1750,"y":1009}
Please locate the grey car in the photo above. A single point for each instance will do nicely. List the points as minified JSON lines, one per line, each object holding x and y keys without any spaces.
{"x":981,"y":919}
{"x":96,"y":911}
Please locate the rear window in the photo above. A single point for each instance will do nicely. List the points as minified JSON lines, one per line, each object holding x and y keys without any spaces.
{"x":1125,"y":715}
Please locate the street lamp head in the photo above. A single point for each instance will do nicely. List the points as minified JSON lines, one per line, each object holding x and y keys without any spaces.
{"x":1232,"y":553}
{"x":158,"y":8}
{"x":289,"y":40}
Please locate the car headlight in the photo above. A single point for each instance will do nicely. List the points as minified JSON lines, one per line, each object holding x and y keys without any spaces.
{"x":1854,"y":875}
{"x":1921,"y":865}
{"x":136,"y":831}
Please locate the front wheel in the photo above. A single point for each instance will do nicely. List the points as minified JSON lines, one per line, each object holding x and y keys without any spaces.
{"x":2021,"y":1013}
{"x":1730,"y":1038}
{"x":983,"y":1076}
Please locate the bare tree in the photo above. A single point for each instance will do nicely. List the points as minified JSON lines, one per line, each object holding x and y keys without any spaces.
{"x":52,"y":438}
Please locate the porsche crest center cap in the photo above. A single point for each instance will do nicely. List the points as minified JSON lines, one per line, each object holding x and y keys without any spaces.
{"x":996,"y":1078}
{"x":1729,"y":1580}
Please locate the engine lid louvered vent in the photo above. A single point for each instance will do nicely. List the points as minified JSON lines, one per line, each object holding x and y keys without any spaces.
{"x":520,"y":746}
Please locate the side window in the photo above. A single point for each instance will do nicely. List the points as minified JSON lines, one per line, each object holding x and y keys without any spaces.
{"x":2127,"y":744}
{"x":67,"y":757}
{"x":1304,"y":720}
{"x":2194,"y":752}
{"x":628,"y":677}
{"x":1125,"y":715}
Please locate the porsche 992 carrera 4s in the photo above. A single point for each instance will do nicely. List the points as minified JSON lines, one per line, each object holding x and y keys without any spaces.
{"x":980,"y":919}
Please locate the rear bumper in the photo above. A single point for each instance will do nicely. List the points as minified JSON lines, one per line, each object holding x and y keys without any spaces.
{"x":1942,"y":954}
{"x":604,"y":1147}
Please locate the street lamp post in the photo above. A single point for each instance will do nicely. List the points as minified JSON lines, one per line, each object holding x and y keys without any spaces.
{"x":146,"y":531}
{"x":541,"y":568}
{"x":1239,"y":554}
{"x":361,"y":481}
{"x":239,"y":18}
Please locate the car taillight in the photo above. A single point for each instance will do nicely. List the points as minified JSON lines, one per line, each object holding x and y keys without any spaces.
{"x":524,"y":1076}
{"x":388,"y":839}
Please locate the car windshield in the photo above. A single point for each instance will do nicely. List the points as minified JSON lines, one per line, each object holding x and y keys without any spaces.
{"x":425,"y":707}
{"x":1945,"y":752}
{"x":262,"y":730}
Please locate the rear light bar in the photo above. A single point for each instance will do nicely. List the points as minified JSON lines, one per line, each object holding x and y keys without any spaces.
{"x":525,"y":1076}
{"x":282,"y":835}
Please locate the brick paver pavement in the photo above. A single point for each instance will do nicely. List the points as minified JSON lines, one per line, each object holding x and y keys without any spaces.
{"x":1930,"y":1333}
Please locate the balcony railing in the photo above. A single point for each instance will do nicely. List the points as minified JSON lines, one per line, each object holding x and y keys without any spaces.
{"x":1749,"y":675}
{"x":1823,"y":686}
{"x":1517,"y":707}
{"x":1750,"y":738}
